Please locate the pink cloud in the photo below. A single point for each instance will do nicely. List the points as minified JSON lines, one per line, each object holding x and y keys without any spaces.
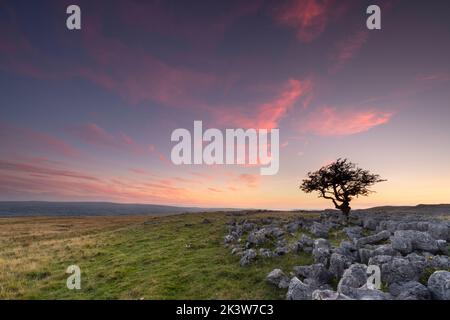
{"x":95,"y":135}
{"x":266,"y":115}
{"x":434,"y":76}
{"x":251,"y":180}
{"x":46,"y":181}
{"x":308,"y":17}
{"x":203,"y":176}
{"x":328,"y":121}
{"x":347,"y":49}
{"x":42,"y":170}
{"x":14,"y":137}
{"x":131,"y":72}
{"x":138,"y":76}
{"x":138,"y":171}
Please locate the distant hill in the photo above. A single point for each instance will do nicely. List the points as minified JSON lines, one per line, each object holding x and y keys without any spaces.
{"x":42,"y":208}
{"x":427,"y":209}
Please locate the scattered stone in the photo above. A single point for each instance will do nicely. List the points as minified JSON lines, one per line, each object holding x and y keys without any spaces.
{"x":305,"y":244}
{"x":320,"y":230}
{"x":278,"y":278}
{"x":380,"y":260}
{"x":385,"y":250}
{"x":338,"y":264}
{"x":266,"y":253}
{"x":439,"y":262}
{"x":443,"y":246}
{"x":376,"y":238}
{"x":321,"y":243}
{"x":298,"y":290}
{"x":399,"y":270}
{"x":353,"y":233}
{"x":321,"y":255}
{"x":417,"y":246}
{"x":292,"y":227}
{"x":439,"y":285}
{"x":277,"y":232}
{"x":370,"y":223}
{"x":406,"y":241}
{"x":248,"y":256}
{"x":411,"y":290}
{"x":364,"y":293}
{"x":247,"y":226}
{"x":418,"y":261}
{"x":365,"y":255}
{"x":438,"y":231}
{"x":354,"y":277}
{"x":257,"y":237}
{"x":236,"y":251}
{"x":228,"y":239}
{"x":316,"y":272}
{"x":329,"y":295}
{"x":281,"y":251}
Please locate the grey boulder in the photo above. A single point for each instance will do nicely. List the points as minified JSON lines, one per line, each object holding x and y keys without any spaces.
{"x":320,"y":230}
{"x":405,"y":241}
{"x":439,"y":231}
{"x":399,"y":270}
{"x":375,"y":238}
{"x":328,"y":295}
{"x":316,"y":272}
{"x":278,"y":278}
{"x":338,"y":264}
{"x":298,"y":290}
{"x":411,"y":290}
{"x":354,"y":277}
{"x":439,"y":285}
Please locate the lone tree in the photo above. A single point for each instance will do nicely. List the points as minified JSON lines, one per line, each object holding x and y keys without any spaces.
{"x":340,"y":182}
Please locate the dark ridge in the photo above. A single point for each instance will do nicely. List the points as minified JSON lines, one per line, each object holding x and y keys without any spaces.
{"x":41,"y":208}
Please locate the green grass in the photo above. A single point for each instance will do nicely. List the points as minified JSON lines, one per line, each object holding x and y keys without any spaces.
{"x":173,"y":257}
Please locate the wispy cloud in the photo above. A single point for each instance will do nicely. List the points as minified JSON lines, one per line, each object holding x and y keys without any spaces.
{"x":434,"y":76}
{"x":250,"y":180}
{"x":329,"y":121}
{"x":42,"y":170}
{"x":309,"y":18}
{"x":95,"y":135}
{"x":31,"y":140}
{"x":347,"y":49}
{"x":267,"y":115}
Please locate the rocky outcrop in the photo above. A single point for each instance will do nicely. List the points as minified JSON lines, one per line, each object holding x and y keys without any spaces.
{"x":406,"y":249}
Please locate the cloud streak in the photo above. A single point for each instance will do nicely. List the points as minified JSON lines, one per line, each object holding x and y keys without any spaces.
{"x":348,"y":49}
{"x":329,"y":121}
{"x":13,"y":137}
{"x":309,"y":18}
{"x":267,"y":115}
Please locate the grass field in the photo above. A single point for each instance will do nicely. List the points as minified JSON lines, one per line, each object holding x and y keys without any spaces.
{"x":131,"y":257}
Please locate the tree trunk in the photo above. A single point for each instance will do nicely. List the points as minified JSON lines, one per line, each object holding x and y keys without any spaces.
{"x":345,"y":208}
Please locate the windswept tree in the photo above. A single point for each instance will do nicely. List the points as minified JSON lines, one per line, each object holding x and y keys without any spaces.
{"x":340,"y":182}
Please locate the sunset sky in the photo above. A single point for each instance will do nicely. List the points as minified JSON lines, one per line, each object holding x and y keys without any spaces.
{"x":87,"y":115}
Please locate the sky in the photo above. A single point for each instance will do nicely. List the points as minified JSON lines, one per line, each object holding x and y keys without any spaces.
{"x":87,"y":115}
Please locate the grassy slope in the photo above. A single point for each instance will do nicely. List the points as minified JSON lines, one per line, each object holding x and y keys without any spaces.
{"x":123,"y":258}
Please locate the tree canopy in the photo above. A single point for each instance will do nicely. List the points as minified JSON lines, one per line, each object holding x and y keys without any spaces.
{"x":340,"y":182}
